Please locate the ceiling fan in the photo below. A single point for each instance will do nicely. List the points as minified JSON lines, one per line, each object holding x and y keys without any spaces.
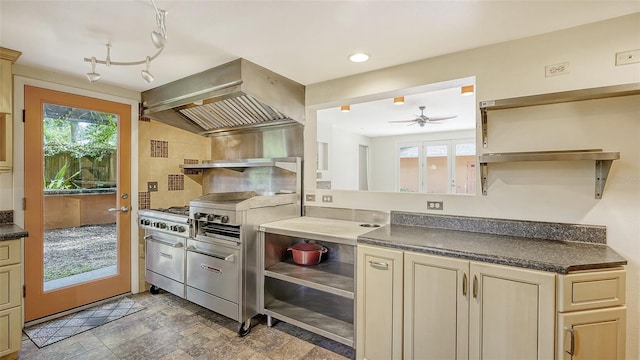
{"x":423,"y":119}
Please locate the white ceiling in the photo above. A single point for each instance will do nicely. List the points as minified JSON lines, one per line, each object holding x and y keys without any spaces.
{"x":307,"y":41}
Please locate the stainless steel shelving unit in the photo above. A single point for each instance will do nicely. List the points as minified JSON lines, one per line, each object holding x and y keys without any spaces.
{"x":318,"y":298}
{"x":292,"y":164}
{"x":553,"y":98}
{"x":603,"y":161}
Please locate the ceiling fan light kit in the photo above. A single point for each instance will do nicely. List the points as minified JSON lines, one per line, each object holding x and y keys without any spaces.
{"x":158,"y":38}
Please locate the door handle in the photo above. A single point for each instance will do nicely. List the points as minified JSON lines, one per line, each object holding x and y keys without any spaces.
{"x":475,"y":286}
{"x":123,"y":209}
{"x":464,"y":284}
{"x":379,"y":265}
{"x":572,"y":350}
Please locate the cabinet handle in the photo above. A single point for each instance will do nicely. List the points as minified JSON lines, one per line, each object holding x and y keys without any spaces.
{"x":573,"y":341}
{"x":464,"y":284}
{"x":475,"y":286}
{"x":380,"y":265}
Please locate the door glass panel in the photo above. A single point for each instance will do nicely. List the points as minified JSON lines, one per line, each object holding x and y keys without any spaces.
{"x":437,"y":168}
{"x":465,"y":168}
{"x":80,"y":186}
{"x":409,"y":174}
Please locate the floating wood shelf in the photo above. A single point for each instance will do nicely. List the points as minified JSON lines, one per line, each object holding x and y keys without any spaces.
{"x":603,"y":161}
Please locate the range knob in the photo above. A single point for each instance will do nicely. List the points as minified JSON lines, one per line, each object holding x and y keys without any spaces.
{"x":224,"y":219}
{"x":181,"y":229}
{"x":160,"y":225}
{"x":211,"y":217}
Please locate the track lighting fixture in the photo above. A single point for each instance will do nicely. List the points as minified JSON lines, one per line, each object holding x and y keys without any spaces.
{"x":158,"y":38}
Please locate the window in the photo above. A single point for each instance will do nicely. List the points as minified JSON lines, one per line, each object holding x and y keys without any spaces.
{"x":438,"y":167}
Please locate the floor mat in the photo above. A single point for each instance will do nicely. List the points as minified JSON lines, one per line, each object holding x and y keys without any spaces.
{"x":58,"y":329}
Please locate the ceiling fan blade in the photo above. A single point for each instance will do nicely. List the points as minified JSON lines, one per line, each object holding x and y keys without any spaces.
{"x":401,"y":121}
{"x":441,"y":117}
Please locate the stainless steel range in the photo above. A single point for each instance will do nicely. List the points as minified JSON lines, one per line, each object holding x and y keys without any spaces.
{"x":165,"y":233}
{"x":223,"y":254}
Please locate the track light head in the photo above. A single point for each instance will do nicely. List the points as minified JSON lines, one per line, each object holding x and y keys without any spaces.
{"x":158,"y":40}
{"x":146,"y":75}
{"x":93,"y":76}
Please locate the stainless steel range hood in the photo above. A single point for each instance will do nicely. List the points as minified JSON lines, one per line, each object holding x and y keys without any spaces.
{"x":238,"y":95}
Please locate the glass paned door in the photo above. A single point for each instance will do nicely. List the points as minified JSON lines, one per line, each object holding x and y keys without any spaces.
{"x":77,"y":194}
{"x":437,"y":168}
{"x":409,"y":166}
{"x":465,"y":167}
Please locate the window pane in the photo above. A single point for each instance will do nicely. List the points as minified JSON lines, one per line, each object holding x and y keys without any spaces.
{"x":409,"y":169}
{"x":465,"y":172}
{"x":437,"y":169}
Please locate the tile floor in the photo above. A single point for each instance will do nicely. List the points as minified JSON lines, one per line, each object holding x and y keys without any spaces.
{"x":173,"y":328}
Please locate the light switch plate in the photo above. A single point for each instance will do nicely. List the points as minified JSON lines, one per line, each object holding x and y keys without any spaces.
{"x":628,"y":57}
{"x":152,"y":186}
{"x":310,"y":197}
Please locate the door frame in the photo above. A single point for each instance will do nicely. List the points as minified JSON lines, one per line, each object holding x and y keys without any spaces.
{"x":18,"y":153}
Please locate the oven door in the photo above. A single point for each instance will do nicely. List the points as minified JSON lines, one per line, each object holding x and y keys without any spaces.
{"x":214,"y":268}
{"x":165,"y":256}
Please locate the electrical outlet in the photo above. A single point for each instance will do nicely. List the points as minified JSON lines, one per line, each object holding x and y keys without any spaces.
{"x":310,"y":197}
{"x":557,"y":69}
{"x":627,"y":57}
{"x":152,"y":186}
{"x":435,"y":205}
{"x":327,"y":198}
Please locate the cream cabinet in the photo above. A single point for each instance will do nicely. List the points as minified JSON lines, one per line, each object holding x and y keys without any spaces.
{"x":7,"y":57}
{"x":10,"y":298}
{"x":451,"y":308}
{"x":591,"y":315}
{"x":379,"y":308}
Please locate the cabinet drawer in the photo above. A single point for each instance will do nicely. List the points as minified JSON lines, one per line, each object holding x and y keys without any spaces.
{"x":10,"y":252}
{"x":10,"y":330}
{"x":10,"y":294}
{"x":591,"y":290}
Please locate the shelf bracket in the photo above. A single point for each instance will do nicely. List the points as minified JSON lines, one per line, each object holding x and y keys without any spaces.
{"x":483,"y":116}
{"x":484,"y":176}
{"x":602,"y":171}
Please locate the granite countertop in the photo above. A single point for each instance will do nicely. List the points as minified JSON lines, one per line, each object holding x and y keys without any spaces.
{"x":11,"y":232}
{"x":556,"y":256}
{"x":339,"y":231}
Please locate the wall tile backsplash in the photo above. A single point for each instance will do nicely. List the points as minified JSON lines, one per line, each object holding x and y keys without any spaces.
{"x":175,"y":182}
{"x":144,"y":200}
{"x":159,"y":148}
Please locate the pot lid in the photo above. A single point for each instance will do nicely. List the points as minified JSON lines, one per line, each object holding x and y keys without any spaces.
{"x":306,"y":247}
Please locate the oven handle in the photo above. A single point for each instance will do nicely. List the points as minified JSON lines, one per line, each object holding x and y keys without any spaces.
{"x":175,"y":245}
{"x":228,"y":258}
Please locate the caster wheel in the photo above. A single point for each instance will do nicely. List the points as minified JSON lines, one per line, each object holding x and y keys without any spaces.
{"x":245,"y":328}
{"x":154,"y":290}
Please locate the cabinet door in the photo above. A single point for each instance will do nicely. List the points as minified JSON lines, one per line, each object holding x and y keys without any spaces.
{"x":5,"y":87}
{"x":379,"y":303}
{"x":436,"y":308}
{"x":10,"y":287}
{"x":592,"y":334}
{"x":511,"y":313}
{"x":10,"y":330}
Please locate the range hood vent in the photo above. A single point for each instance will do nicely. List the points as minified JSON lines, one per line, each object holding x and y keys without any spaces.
{"x":236,"y":96}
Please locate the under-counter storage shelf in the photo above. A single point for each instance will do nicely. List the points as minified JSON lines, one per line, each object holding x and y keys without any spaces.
{"x":553,"y":98}
{"x":603,"y":161}
{"x":332,"y":277}
{"x":320,"y":297}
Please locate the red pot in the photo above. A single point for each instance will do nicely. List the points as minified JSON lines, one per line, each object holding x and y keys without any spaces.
{"x":307,"y":253}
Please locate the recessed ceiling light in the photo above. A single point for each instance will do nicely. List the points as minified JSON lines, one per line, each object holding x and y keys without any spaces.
{"x":358,"y":57}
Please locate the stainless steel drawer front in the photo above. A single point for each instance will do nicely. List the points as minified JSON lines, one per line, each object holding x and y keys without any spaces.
{"x":165,"y":258}
{"x":213,"y":269}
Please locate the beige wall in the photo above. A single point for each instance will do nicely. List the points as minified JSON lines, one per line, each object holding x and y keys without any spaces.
{"x":557,"y":192}
{"x":182,"y":145}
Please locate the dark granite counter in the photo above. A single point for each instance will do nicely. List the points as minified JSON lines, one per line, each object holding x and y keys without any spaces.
{"x":11,"y":232}
{"x":553,"y":255}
